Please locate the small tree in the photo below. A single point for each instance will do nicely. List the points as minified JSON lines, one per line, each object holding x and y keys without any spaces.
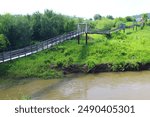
{"x":145,"y":17}
{"x":3,"y":42}
{"x":129,"y":19}
{"x":97,"y":17}
{"x":110,"y":17}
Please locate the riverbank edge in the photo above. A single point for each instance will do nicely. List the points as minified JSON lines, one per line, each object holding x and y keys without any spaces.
{"x":78,"y":68}
{"x":107,"y":67}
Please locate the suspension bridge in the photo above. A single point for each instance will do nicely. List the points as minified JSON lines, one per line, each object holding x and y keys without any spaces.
{"x":81,"y":29}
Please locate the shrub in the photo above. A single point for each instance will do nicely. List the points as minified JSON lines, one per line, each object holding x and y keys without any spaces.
{"x":104,"y":24}
{"x":119,"y":35}
{"x":3,"y":42}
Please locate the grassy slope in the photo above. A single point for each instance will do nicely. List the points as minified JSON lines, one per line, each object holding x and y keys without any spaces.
{"x":131,"y":48}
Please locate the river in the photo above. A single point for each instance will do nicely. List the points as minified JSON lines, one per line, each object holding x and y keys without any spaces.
{"x":113,"y":85}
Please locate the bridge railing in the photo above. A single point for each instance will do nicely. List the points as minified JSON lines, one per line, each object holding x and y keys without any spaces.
{"x":10,"y":55}
{"x":98,"y":31}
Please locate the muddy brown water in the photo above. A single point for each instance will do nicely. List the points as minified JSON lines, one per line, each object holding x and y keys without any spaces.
{"x":118,"y":85}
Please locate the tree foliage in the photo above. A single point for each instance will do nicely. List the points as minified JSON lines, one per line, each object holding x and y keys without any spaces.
{"x":103,"y":24}
{"x":97,"y":17}
{"x":23,"y":30}
{"x":110,"y":17}
{"x":145,"y":17}
{"x":129,"y":18}
{"x":3,"y":42}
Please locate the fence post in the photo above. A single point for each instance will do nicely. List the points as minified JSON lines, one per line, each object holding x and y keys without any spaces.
{"x":86,"y":38}
{"x":78,"y":38}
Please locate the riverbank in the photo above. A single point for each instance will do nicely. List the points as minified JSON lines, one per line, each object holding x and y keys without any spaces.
{"x":120,"y":52}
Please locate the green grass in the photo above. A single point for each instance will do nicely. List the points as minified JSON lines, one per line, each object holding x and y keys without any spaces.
{"x":121,"y":50}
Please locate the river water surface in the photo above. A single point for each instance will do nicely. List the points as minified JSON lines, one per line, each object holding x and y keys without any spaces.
{"x":114,"y":85}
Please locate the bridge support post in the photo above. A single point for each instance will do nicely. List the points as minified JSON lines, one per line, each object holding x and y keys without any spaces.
{"x":78,"y":39}
{"x":86,"y":38}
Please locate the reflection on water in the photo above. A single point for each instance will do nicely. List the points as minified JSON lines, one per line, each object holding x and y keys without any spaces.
{"x":119,"y":85}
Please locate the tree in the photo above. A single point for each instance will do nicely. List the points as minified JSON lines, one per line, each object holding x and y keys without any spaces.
{"x":145,"y":17}
{"x":129,"y":19}
{"x":103,"y":24}
{"x":110,"y":17}
{"x":97,"y":17}
{"x":3,"y":42}
{"x":36,"y":25}
{"x":22,"y":30}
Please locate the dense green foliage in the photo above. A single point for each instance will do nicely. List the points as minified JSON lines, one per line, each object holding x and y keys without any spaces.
{"x":122,"y":50}
{"x":3,"y":42}
{"x":22,"y":30}
{"x":110,"y":17}
{"x":97,"y":17}
{"x":129,"y":19}
{"x":145,"y":17}
{"x":108,"y":22}
{"x":103,"y":24}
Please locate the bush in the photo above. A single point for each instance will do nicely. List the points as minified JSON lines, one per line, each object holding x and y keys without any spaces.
{"x":104,"y":24}
{"x":129,"y":18}
{"x":3,"y":42}
{"x":91,"y":62}
{"x":119,"y":35}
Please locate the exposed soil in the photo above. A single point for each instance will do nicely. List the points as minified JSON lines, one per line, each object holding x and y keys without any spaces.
{"x":103,"y":68}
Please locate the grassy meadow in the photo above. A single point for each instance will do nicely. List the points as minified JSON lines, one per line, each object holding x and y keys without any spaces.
{"x":121,"y":51}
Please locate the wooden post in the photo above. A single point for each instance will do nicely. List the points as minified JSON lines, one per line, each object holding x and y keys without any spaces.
{"x":78,"y":39}
{"x":86,"y":37}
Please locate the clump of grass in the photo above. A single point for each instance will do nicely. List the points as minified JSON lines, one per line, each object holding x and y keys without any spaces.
{"x":24,"y":97}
